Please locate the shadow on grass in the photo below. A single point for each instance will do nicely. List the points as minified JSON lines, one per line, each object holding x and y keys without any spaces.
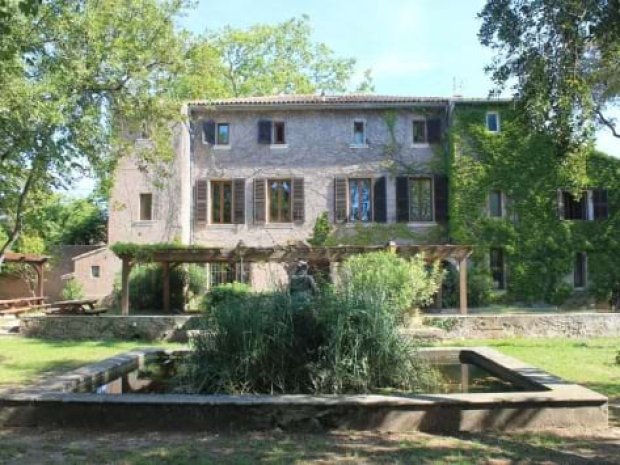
{"x":278,"y":448}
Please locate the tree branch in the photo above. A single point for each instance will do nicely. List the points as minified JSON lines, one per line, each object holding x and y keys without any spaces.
{"x":15,"y":232}
{"x":607,"y":122}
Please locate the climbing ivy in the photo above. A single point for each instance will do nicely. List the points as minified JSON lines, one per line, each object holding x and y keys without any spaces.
{"x":539,"y":247}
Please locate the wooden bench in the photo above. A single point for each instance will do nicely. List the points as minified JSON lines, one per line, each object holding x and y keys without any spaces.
{"x":22,"y":305}
{"x":75,"y":307}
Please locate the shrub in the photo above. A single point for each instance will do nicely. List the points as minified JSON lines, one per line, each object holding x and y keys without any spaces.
{"x":146,"y":286}
{"x":72,"y":290}
{"x":321,"y":230}
{"x":384,"y":277}
{"x":340,"y":341}
{"x":222,"y":292}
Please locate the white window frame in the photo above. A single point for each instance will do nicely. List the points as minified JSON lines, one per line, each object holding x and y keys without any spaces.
{"x":486,"y":121}
{"x":217,"y":144}
{"x":502,"y":197}
{"x":140,"y":207}
{"x":273,"y":145}
{"x":353,"y":144}
{"x":420,"y":144}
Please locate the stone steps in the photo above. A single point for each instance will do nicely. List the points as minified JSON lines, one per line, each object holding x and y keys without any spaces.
{"x":9,"y":326}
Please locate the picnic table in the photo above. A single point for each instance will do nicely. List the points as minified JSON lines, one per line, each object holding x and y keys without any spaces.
{"x":76,"y":307}
{"x":21,"y":305}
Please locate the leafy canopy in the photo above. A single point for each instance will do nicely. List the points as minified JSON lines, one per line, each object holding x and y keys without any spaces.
{"x":562,"y":60}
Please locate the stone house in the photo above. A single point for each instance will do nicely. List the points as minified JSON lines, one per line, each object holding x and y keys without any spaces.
{"x":260,"y":171}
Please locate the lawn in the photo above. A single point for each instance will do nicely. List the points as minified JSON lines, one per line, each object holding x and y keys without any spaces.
{"x":24,"y":361}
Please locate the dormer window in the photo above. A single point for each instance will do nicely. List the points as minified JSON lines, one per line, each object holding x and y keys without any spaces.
{"x":492,"y":120}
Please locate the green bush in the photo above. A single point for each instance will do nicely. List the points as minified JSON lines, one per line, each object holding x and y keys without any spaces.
{"x":146,"y":286}
{"x":385,"y":277}
{"x":335,"y":342}
{"x":322,"y":229}
{"x":72,"y":290}
{"x":222,"y":292}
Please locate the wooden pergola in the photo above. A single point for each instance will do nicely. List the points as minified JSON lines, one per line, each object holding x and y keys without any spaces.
{"x":174,"y":256}
{"x":36,"y":261}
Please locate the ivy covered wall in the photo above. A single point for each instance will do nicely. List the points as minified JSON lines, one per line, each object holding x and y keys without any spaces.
{"x":539,"y":248}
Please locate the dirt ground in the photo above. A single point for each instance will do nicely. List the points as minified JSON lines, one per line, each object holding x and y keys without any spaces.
{"x":25,"y":446}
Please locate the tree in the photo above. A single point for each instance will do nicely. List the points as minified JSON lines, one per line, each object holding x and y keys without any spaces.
{"x":78,"y":77}
{"x":264,"y":60}
{"x":562,"y":59}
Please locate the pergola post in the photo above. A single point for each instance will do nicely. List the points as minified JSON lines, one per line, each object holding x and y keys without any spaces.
{"x":125,"y":286}
{"x":463,"y":286}
{"x":165,"y":268}
{"x":38,"y":267}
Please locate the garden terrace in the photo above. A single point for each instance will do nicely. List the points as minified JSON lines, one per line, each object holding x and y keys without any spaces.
{"x":171,"y":256}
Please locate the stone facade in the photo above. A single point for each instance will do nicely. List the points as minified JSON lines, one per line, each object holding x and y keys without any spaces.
{"x":570,"y":325}
{"x":105,"y":327}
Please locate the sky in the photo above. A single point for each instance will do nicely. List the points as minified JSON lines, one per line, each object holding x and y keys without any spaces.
{"x":414,"y":47}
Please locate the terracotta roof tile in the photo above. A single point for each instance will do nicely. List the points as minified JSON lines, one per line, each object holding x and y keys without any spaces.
{"x":314,"y":99}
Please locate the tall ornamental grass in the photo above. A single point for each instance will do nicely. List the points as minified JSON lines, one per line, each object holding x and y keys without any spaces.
{"x":341,"y":341}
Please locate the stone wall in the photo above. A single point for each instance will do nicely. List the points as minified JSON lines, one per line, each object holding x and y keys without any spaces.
{"x":150,"y":328}
{"x":528,"y":325}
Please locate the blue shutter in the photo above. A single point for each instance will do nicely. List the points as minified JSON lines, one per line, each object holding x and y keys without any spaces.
{"x":208,"y":128}
{"x":264,"y":131}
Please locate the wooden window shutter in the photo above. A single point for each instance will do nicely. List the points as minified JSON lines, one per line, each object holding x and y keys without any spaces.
{"x":208,"y":128}
{"x":260,"y":201}
{"x":298,"y":200}
{"x":200,"y":202}
{"x":340,"y":200}
{"x":599,"y":203}
{"x":433,"y":130}
{"x":238,"y":201}
{"x":380,"y":200}
{"x":441,"y":197}
{"x":402,"y":199}
{"x":264,"y":131}
{"x":560,"y":203}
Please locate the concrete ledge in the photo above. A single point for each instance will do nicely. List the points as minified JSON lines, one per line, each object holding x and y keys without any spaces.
{"x":580,"y":325}
{"x":76,"y":327}
{"x":549,"y":402}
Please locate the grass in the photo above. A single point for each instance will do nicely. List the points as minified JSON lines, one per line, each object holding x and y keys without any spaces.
{"x":24,"y":361}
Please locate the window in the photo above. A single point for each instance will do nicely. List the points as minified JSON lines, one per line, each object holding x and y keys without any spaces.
{"x":146,"y":207}
{"x":492,"y":121}
{"x":221,"y":202}
{"x":575,"y":208}
{"x":279,"y":131}
{"x":496,"y":262}
{"x":496,"y":204}
{"x":360,"y":200}
{"x":419,"y":132}
{"x":359,"y":133}
{"x":580,"y":271}
{"x":95,"y":271}
{"x":222,"y":273}
{"x":223,"y":134}
{"x":420,"y":199}
{"x":279,"y":200}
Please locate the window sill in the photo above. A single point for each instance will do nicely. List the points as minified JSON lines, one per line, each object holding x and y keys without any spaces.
{"x":224,"y":226}
{"x":221,"y":147}
{"x":420,"y":145}
{"x":278,"y":146}
{"x":358,"y":146}
{"x":143,"y":223}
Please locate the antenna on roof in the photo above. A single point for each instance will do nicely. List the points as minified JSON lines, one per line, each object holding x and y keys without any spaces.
{"x":457,"y":87}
